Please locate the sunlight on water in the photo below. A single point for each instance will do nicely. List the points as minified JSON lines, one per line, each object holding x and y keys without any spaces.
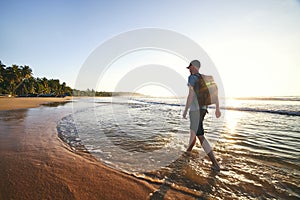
{"x":257,"y":161}
{"x":231,"y":120}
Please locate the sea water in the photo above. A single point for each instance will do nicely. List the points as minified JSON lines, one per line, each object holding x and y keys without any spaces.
{"x":256,"y":141}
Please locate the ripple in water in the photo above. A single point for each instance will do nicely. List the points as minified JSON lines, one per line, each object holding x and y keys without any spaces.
{"x":259,"y":151}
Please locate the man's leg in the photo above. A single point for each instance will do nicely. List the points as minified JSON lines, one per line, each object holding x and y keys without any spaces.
{"x":194,"y":120}
{"x":192,"y":140}
{"x":208,"y":150}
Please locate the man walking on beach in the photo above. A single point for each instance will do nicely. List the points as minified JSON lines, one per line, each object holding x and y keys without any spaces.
{"x":197,"y":114}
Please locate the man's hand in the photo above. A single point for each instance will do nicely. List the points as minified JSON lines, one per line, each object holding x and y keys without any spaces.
{"x":218,"y":113}
{"x":184,"y":114}
{"x":189,"y":101}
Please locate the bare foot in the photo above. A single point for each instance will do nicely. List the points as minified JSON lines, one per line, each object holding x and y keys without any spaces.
{"x":216,"y":168}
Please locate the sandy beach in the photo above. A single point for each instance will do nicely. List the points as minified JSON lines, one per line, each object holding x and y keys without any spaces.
{"x":36,"y":164}
{"x":7,"y":103}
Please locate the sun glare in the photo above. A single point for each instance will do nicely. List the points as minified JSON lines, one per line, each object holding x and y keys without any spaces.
{"x":155,"y":90}
{"x":232,"y":117}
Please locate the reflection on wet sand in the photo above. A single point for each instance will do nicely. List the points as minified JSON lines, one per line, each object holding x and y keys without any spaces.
{"x":11,"y":128}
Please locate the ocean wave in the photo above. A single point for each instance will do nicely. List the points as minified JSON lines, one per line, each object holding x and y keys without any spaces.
{"x":287,"y":98}
{"x":279,"y":112}
{"x":246,"y":109}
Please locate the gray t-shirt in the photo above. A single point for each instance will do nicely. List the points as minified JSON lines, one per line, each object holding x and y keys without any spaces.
{"x":193,"y":81}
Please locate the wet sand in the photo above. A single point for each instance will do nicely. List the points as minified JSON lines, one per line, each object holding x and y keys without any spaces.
{"x":12,"y":103}
{"x":36,"y":164}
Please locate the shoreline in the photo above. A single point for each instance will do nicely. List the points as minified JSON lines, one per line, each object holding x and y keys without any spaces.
{"x":36,"y":164}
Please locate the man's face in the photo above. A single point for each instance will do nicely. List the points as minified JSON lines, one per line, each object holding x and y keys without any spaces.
{"x":193,"y":69}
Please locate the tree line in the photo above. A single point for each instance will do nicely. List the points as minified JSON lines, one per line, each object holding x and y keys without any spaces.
{"x":19,"y":81}
{"x":92,"y":93}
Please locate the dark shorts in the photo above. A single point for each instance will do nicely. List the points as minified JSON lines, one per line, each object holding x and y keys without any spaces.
{"x":196,"y":121}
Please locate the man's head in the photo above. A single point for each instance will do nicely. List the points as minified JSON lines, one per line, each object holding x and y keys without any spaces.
{"x":194,"y":66}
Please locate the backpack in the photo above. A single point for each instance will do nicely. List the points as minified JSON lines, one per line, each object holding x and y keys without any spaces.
{"x":207,"y":91}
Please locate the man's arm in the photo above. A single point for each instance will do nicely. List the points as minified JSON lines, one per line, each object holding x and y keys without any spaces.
{"x":189,"y":101}
{"x":218,"y":112}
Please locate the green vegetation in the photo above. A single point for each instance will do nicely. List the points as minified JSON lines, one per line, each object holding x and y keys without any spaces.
{"x":19,"y":81}
{"x":92,"y":93}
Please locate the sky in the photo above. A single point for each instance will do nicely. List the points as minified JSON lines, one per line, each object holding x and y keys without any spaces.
{"x":254,"y":44}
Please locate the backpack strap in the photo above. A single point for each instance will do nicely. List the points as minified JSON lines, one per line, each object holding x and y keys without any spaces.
{"x":198,"y":74}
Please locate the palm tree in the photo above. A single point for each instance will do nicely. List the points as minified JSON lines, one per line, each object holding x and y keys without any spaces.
{"x":44,"y":82}
{"x":19,"y":80}
{"x":11,"y":78}
{"x":24,"y":73}
{"x":39,"y":86}
{"x":30,"y":85}
{"x":2,"y":75}
{"x":2,"y":70}
{"x":54,"y":86}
